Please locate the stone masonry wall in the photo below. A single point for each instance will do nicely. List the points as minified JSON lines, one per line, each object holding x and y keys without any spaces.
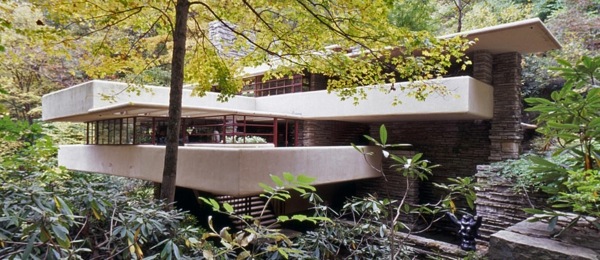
{"x":499,"y":203}
{"x":506,"y":133}
{"x":483,"y":64}
{"x":317,"y":82}
{"x":331,"y":133}
{"x":222,"y":38}
{"x":393,"y":186}
{"x":458,"y":146}
{"x":396,"y":183}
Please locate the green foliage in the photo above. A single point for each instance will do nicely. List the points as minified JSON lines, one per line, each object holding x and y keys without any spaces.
{"x":490,"y":13}
{"x":18,"y":131}
{"x":581,"y":193}
{"x":119,"y":41}
{"x":256,"y":240}
{"x":31,"y":64}
{"x":418,"y":168}
{"x":518,"y":171}
{"x":575,"y":25}
{"x":583,"y":75}
{"x":382,"y":142}
{"x":300,"y":183}
{"x":534,"y":172}
{"x":572,"y":115}
{"x":158,"y":76}
{"x":365,"y":228}
{"x":378,"y":220}
{"x":459,"y":188}
{"x":360,"y":231}
{"x":65,"y":132}
{"x":571,"y":120}
{"x":537,"y":80}
{"x":55,"y":215}
{"x":413,"y":167}
{"x":82,"y":217}
{"x":415,"y":15}
{"x":547,"y":8}
{"x":47,"y":212}
{"x":474,"y":14}
{"x":549,"y":174}
{"x":26,"y":149}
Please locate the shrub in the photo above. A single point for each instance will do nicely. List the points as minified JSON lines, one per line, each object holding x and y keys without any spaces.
{"x":47,"y":212}
{"x":365,"y":228}
{"x":571,"y":120}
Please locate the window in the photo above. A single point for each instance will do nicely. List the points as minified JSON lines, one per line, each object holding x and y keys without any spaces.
{"x":216,"y":129}
{"x":112,"y":131}
{"x":258,"y":88}
{"x":228,"y":129}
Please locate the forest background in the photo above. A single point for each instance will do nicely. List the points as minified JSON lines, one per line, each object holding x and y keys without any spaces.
{"x":64,"y":213}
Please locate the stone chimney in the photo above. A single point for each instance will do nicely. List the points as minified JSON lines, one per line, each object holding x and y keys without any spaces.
{"x":222,"y":38}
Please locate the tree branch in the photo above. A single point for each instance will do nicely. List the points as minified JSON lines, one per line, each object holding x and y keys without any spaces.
{"x":254,"y":43}
{"x":337,"y":31}
{"x":108,"y":25}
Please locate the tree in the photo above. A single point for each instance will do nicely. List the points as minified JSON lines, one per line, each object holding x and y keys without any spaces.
{"x":461,"y":6}
{"x":461,"y":15}
{"x":574,"y":24}
{"x":29,"y":67}
{"x":4,"y":22}
{"x":450,"y":14}
{"x":293,"y":36}
{"x":173,"y":124}
{"x":415,"y":15}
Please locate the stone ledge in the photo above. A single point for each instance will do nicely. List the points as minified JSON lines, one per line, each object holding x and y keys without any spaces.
{"x":528,"y":240}
{"x":439,"y":249}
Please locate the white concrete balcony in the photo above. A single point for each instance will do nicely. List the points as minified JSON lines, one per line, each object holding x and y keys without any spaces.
{"x":469,"y":99}
{"x":228,"y":171}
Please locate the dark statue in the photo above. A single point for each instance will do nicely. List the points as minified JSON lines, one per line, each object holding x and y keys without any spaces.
{"x":468,"y":230}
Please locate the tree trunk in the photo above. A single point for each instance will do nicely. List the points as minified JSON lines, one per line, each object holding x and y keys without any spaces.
{"x":156,"y":190}
{"x":460,"y":18}
{"x":167,"y":191}
{"x":460,"y":8}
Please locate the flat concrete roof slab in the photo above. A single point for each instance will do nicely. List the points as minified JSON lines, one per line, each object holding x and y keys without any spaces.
{"x":527,"y":36}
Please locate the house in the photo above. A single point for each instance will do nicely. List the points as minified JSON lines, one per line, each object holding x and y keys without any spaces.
{"x":306,"y":129}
